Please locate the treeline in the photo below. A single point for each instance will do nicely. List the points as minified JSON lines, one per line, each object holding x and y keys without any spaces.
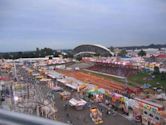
{"x":155,"y":46}
{"x":34,"y":54}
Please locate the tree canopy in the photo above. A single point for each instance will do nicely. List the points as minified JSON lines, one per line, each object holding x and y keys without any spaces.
{"x":123,"y":52}
{"x":29,"y":54}
{"x":142,"y":53}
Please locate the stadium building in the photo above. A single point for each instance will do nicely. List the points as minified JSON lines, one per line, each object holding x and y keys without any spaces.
{"x":92,"y":49}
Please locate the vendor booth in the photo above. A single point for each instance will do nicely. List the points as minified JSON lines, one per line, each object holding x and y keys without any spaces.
{"x":96,"y":95}
{"x":120,"y":102}
{"x":39,"y":77}
{"x":137,"y":114}
{"x":96,"y":115}
{"x":150,"y":112}
{"x":65,"y":95}
{"x":163,"y":117}
{"x":78,"y":104}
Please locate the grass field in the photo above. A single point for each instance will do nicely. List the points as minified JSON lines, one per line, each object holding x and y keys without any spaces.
{"x":140,"y":78}
{"x":137,"y":80}
{"x":122,"y":81}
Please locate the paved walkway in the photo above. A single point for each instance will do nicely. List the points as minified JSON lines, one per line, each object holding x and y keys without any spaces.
{"x":6,"y":105}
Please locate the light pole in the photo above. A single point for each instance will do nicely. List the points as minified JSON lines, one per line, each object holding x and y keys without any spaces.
{"x":15,"y":72}
{"x":126,"y":81}
{"x":12,"y":96}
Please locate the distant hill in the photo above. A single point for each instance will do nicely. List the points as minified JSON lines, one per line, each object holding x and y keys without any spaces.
{"x":155,"y":46}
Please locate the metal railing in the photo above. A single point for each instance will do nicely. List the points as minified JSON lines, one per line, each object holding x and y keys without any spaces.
{"x":13,"y":118}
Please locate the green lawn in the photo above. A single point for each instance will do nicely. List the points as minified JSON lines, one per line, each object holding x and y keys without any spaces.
{"x":137,"y":80}
{"x":140,"y":79}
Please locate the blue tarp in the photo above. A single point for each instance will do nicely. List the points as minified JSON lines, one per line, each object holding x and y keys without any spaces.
{"x":146,"y":86}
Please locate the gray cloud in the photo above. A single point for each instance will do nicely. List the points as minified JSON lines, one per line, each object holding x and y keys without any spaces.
{"x":67,"y":23}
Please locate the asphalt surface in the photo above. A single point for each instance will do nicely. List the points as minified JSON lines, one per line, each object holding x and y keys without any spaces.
{"x":83,"y":117}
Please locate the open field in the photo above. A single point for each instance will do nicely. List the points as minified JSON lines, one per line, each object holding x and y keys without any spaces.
{"x":144,"y":77}
{"x":88,"y":78}
{"x":96,"y":80}
{"x":111,"y":78}
{"x":136,"y":80}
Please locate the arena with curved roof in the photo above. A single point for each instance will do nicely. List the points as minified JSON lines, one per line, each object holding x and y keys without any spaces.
{"x":92,"y":49}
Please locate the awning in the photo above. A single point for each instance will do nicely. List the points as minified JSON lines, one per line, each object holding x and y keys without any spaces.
{"x":77,"y":102}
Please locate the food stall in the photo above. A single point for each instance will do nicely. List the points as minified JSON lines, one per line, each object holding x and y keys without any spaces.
{"x":57,"y":89}
{"x":19,"y":86}
{"x":45,"y":80}
{"x":81,"y":88}
{"x":120,"y":102}
{"x":30,"y":71}
{"x":50,"y":84}
{"x":137,"y":113}
{"x":39,"y":77}
{"x":77,"y":103}
{"x":163,"y":117}
{"x":65,"y":95}
{"x":96,"y":115}
{"x":96,"y":94}
{"x":150,"y":112}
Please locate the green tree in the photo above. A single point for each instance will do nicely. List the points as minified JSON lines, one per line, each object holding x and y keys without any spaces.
{"x":20,"y":54}
{"x":37,"y":52}
{"x":163,"y":76}
{"x":142,"y":53}
{"x":79,"y":58}
{"x":123,"y":52}
{"x":111,"y":49}
{"x":55,"y":53}
{"x":6,"y":56}
{"x":46,"y":51}
{"x":156,"y":70}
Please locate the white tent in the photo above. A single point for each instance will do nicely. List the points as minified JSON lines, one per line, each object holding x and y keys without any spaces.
{"x":161,"y":96}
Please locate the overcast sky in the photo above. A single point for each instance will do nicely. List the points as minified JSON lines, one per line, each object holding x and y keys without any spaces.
{"x":61,"y":24}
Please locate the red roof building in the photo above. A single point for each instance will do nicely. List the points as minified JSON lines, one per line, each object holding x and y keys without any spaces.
{"x":161,"y":56}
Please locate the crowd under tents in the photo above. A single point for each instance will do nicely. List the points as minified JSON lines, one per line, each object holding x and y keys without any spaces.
{"x":35,"y":74}
{"x":68,"y":81}
{"x":96,"y":91}
{"x":54,"y":75}
{"x":57,"y":88}
{"x":72,"y":83}
{"x":45,"y":80}
{"x":39,"y":77}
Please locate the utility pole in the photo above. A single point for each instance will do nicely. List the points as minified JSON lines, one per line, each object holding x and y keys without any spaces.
{"x":126,"y":84}
{"x":12,"y":96}
{"x":126,"y":81}
{"x":28,"y":90}
{"x":12,"y":88}
{"x":15,"y":72}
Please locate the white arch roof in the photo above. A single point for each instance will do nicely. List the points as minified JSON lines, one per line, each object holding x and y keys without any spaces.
{"x":97,"y":45}
{"x":84,"y":53}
